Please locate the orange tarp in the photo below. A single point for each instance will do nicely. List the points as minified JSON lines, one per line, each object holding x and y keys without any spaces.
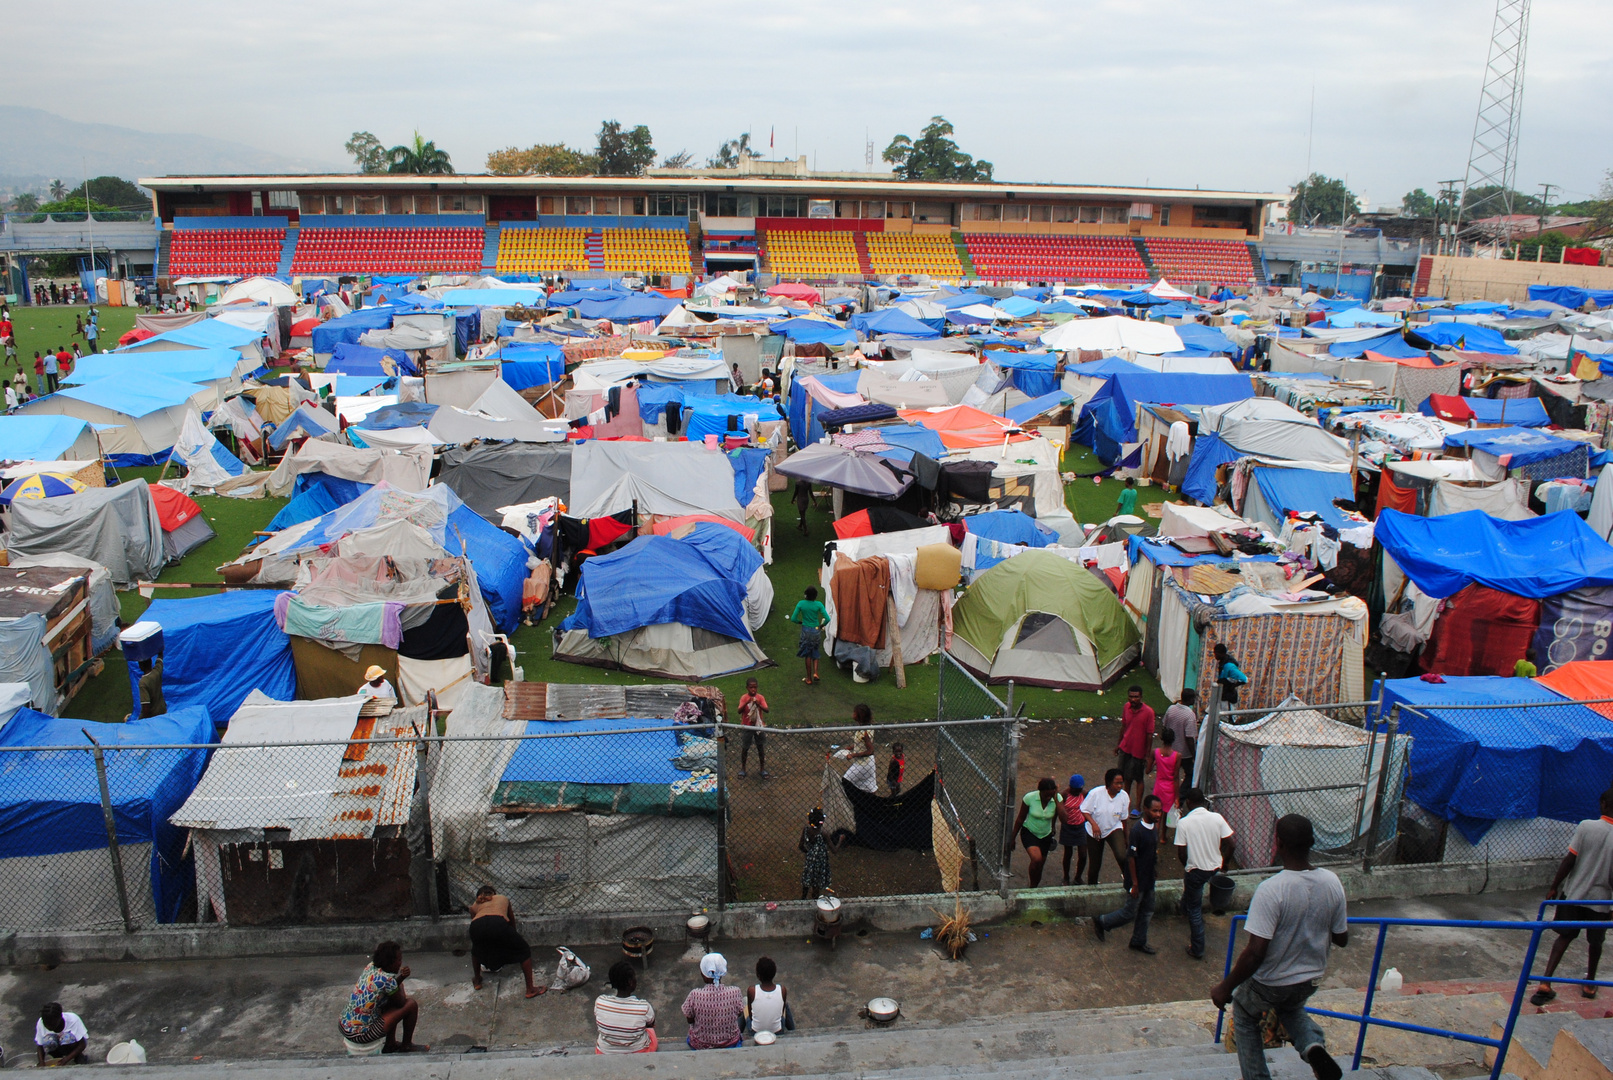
{"x":1583,"y":680}
{"x":963,"y":426}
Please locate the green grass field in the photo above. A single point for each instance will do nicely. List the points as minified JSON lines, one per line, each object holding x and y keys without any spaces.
{"x":796,"y":559}
{"x":50,"y":327}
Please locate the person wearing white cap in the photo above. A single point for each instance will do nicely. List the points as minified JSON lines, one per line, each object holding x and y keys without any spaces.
{"x":375,"y":684}
{"x":715,"y":1012}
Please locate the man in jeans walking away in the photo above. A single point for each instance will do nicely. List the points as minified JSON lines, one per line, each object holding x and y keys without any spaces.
{"x":1293,"y":918}
{"x":1143,"y":849}
{"x":1204,"y":843}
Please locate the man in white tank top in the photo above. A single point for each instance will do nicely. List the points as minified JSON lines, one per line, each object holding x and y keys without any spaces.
{"x":768,"y":1002}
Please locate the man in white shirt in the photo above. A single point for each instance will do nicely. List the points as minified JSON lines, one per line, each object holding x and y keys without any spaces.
{"x":1204,"y":843}
{"x":1293,"y":918}
{"x":61,"y":1035}
{"x":1107,"y":809}
{"x":375,"y":684}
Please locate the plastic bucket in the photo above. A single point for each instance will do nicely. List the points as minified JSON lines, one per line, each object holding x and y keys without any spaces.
{"x":1221,"y":890}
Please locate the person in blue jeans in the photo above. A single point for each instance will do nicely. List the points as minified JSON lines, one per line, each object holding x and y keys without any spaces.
{"x":1142,"y":852}
{"x":1204,"y":843}
{"x":1293,"y":919}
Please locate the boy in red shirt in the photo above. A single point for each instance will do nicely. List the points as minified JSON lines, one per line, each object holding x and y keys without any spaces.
{"x":752,"y":716}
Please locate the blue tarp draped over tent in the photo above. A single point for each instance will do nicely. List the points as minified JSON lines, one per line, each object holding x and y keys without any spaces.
{"x":132,"y":393}
{"x":404,"y":414}
{"x":905,"y":440}
{"x":1210,"y":451}
{"x":800,"y":430}
{"x":1391,"y":345}
{"x":1109,"y":365}
{"x":207,"y":334}
{"x":1460,"y":335}
{"x":305,"y":420}
{"x":951,"y":301}
{"x":1359,"y":316}
{"x":892,"y":321}
{"x":314,"y":495}
{"x":1306,"y":490}
{"x":351,"y":327}
{"x":813,"y":332}
{"x":1203,"y":340}
{"x":1536,"y":557}
{"x":725,"y":549}
{"x":52,"y":806}
{"x":1519,"y":446}
{"x":506,"y":297}
{"x":1029,"y":373}
{"x":1518,"y":412}
{"x":182,"y":365}
{"x":349,"y":359}
{"x":38,"y":438}
{"x":1479,"y":307}
{"x":1569,"y":296}
{"x":749,"y":463}
{"x":629,"y":307}
{"x":1113,"y":408}
{"x":653,"y":398}
{"x":1475,"y":767}
{"x":499,"y":560}
{"x":1010,"y":527}
{"x":536,"y":363}
{"x":218,"y":649}
{"x":709,"y":414}
{"x":656,"y":579}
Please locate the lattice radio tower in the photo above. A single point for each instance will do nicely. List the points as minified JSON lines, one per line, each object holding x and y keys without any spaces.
{"x":1492,"y":163}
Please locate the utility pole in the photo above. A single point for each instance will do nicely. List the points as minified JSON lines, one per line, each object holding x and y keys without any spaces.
{"x":1447,"y":198}
{"x":1545,"y":208}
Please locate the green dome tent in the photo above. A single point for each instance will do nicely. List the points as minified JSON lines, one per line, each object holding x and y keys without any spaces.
{"x":1042,"y":620}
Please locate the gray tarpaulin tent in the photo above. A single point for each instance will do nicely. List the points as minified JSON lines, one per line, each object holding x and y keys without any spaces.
{"x":492,"y":475}
{"x":116,"y":527}
{"x":835,"y":466}
{"x":663,"y":479}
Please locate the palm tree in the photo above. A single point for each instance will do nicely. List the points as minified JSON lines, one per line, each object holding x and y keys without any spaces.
{"x":26,"y":203}
{"x":58,"y":191}
{"x":422,"y":158}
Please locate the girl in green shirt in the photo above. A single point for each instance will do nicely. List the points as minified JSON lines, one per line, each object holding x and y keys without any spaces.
{"x":812,"y":617}
{"x":1034,"y":826}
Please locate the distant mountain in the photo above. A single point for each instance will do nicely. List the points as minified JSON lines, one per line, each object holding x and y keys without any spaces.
{"x":39,"y":144}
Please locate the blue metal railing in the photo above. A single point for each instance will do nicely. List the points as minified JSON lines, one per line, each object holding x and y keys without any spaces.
{"x":1364,"y":1018}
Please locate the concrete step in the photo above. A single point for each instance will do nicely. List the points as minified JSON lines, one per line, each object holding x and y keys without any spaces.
{"x":1532,"y":1039}
{"x":1582,"y":1052}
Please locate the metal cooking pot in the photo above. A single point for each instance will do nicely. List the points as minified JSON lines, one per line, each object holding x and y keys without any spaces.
{"x":882,"y":1010}
{"x":829,"y":908}
{"x":699,"y":924}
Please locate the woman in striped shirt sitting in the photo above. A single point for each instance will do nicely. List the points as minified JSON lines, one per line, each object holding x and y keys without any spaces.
{"x":626,"y":1023}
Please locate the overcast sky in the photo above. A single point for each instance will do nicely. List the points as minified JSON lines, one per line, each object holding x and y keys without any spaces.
{"x":1167,"y":92}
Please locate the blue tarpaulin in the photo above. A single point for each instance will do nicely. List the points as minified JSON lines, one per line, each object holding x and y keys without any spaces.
{"x":628,"y":308}
{"x":349,"y":359}
{"x":52,"y":805}
{"x":749,"y":463}
{"x":536,"y":363}
{"x":133,"y":393}
{"x":905,"y":440}
{"x":404,"y":414}
{"x":350,"y":327}
{"x":499,"y":559}
{"x":1035,"y":407}
{"x":1392,"y":345}
{"x":1516,"y":446}
{"x":38,"y":438}
{"x":182,"y":365}
{"x":314,"y":495}
{"x":653,"y":580}
{"x":892,"y":321}
{"x":1203,"y":340}
{"x":802,"y":432}
{"x":1359,"y":316}
{"x":1535,"y":557}
{"x":1479,"y":307}
{"x":724,"y":548}
{"x":218,"y":649}
{"x":305,"y":421}
{"x":1460,"y":335}
{"x":1010,"y":527}
{"x":1031,"y":374}
{"x":1306,"y":490}
{"x":1571,"y":297}
{"x":506,"y":297}
{"x":639,"y":757}
{"x":207,"y":334}
{"x":1518,"y":412}
{"x":1210,"y":452}
{"x":951,"y":301}
{"x":813,"y":332}
{"x":1113,"y":408}
{"x":709,"y":415}
{"x":1475,"y":767}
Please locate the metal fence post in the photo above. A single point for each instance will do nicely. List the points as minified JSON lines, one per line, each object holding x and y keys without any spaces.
{"x":111,"y":832}
{"x":1383,"y":783}
{"x":420,"y":778}
{"x":722,"y":819}
{"x":1371,"y":727}
{"x":1212,"y":721}
{"x":1010,"y":697}
{"x":1005,"y":836}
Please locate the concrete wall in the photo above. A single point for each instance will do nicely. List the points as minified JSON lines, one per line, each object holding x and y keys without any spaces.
{"x":1501,"y":280}
{"x":791,"y":918}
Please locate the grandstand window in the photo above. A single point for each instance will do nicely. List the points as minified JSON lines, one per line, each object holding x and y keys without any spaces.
{"x":1090,"y":215}
{"x":459,"y":204}
{"x":718,"y":205}
{"x":1063,"y":213}
{"x":367,"y":204}
{"x":1042,"y":213}
{"x":400,"y":204}
{"x":283,"y":200}
{"x":783,"y":206}
{"x":873,"y":209}
{"x":1142,"y":210}
{"x":937,"y":212}
{"x":898,"y":209}
{"x":633,"y":205}
{"x":606,"y":204}
{"x":549,"y":204}
{"x":988,"y":212}
{"x":847,"y":208}
{"x":1164,"y":215}
{"x":1236,"y":214}
{"x":672,"y":205}
{"x":1114,"y":215}
{"x":1016,"y":212}
{"x":579,"y":204}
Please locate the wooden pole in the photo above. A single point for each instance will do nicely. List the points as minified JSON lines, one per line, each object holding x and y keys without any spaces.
{"x":896,"y":643}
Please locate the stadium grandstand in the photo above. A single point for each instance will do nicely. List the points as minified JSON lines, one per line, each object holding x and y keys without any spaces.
{"x":674,"y":224}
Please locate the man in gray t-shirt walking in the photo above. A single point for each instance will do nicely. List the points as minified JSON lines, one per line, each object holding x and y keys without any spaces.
{"x":1586,"y":873}
{"x":1292,"y":920}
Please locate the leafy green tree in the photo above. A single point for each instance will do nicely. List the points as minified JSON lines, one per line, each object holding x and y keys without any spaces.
{"x":1548,"y":247}
{"x":728,"y":154}
{"x":681,"y":160}
{"x":419,"y":158}
{"x":1487,"y":200}
{"x":934,"y":156}
{"x":543,"y":159}
{"x":1417,"y":204}
{"x":1322,"y":200}
{"x":624,"y":153}
{"x":367,"y":152}
{"x":118,"y":193}
{"x":26,"y":203}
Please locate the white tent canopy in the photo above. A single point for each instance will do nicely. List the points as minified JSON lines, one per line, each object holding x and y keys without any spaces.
{"x":259,"y":290}
{"x":1114,"y":332}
